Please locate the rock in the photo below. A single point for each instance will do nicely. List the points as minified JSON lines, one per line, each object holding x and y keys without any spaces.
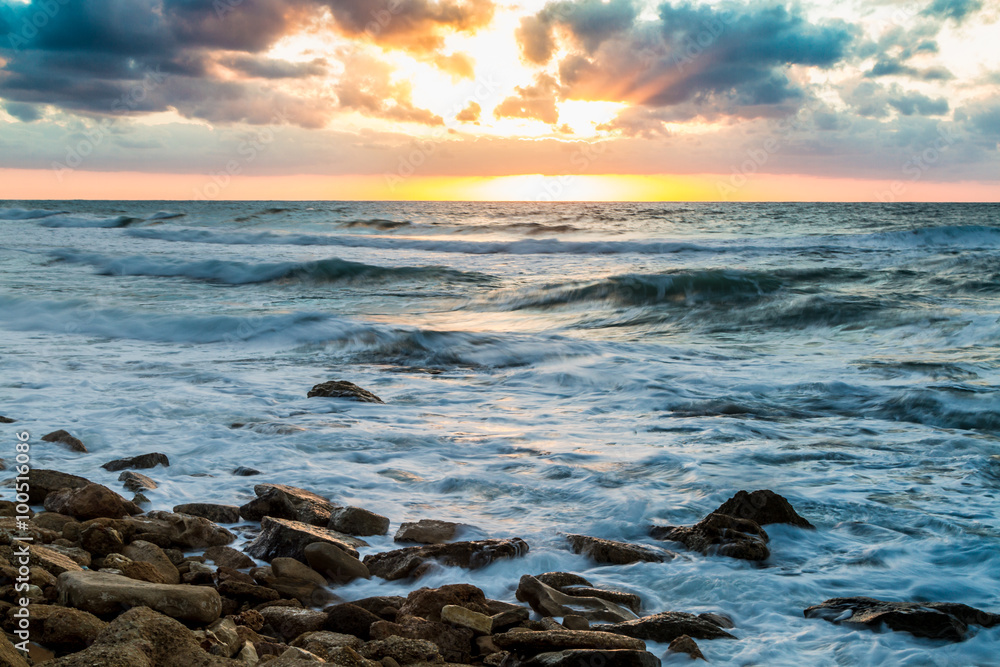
{"x":762,"y":507}
{"x":427,"y":603}
{"x":60,"y":627}
{"x":357,"y":521}
{"x":101,"y":593}
{"x":572,"y":622}
{"x":666,"y":627}
{"x":685,"y":644}
{"x":414,"y":561}
{"x":136,"y":482}
{"x":934,"y":620}
{"x":402,"y":650}
{"x":224,"y":556}
{"x":7,"y":420}
{"x":64,"y":438}
{"x":343,"y":389}
{"x":288,"y":623}
{"x":141,"y":637}
{"x":140,"y":462}
{"x":243,"y":471}
{"x":43,"y":482}
{"x":182,"y":530}
{"x":282,"y":537}
{"x":549,"y":602}
{"x":279,"y":501}
{"x":242,"y":591}
{"x":52,"y":521}
{"x":480,"y":624}
{"x":142,"y":571}
{"x":101,"y":540}
{"x":324,"y":643}
{"x":426,"y":531}
{"x":720,"y":620}
{"x":587,"y":658}
{"x":224,"y":632}
{"x":335,"y":564}
{"x":509,"y":618}
{"x":719,"y":534}
{"x":141,"y":551}
{"x":210,"y":511}
{"x":454,"y":644}
{"x":616,"y":553}
{"x":630,"y":600}
{"x":79,"y":556}
{"x":528,"y":643}
{"x":89,"y":502}
{"x":51,"y":561}
{"x":10,"y":656}
{"x":293,"y":569}
{"x":560,"y":580}
{"x":349,"y":619}
{"x":295,"y":657}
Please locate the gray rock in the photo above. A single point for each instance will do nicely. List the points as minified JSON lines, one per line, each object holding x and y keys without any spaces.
{"x":243,"y":471}
{"x":719,"y":534}
{"x":630,"y":600}
{"x":666,"y":627}
{"x":100,"y":593}
{"x":136,"y":482}
{"x":414,"y":561}
{"x":616,"y":553}
{"x":343,"y":389}
{"x":140,"y":462}
{"x":934,"y":620}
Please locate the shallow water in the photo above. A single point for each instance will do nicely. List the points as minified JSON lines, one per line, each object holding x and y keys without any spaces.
{"x":552,"y":368}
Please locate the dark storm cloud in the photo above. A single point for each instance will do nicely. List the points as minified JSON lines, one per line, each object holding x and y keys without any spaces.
{"x":27,"y":113}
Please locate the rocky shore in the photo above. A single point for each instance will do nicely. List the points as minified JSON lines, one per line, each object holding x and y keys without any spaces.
{"x":106,"y":582}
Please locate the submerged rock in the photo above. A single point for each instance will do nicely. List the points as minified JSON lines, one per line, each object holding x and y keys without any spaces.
{"x":934,"y":620}
{"x":282,"y":537}
{"x":616,"y":553}
{"x":243,"y":471}
{"x":667,"y":626}
{"x":719,"y":534}
{"x":140,"y":462}
{"x":763,"y":507}
{"x":414,"y":561}
{"x":64,"y":438}
{"x":550,"y":602}
{"x":6,"y":420}
{"x":343,"y":389}
{"x":287,"y":502}
{"x":685,"y":644}
{"x":103,"y":593}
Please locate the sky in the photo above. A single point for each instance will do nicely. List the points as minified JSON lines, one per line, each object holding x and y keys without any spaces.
{"x":500,"y":100}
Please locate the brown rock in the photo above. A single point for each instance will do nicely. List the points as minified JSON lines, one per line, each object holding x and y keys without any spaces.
{"x":212,"y":512}
{"x":59,"y":626}
{"x":182,"y":530}
{"x":349,"y":619}
{"x":585,"y":657}
{"x":141,"y":551}
{"x":144,"y":572}
{"x":560,"y":580}
{"x":428,"y":602}
{"x":616,"y":553}
{"x":10,"y":656}
{"x":283,"y":537}
{"x":79,"y":556}
{"x":527,"y":642}
{"x":90,"y":502}
{"x":52,"y":520}
{"x":224,"y":556}
{"x":402,"y":650}
{"x":426,"y":531}
{"x":287,"y":623}
{"x":666,"y":627}
{"x":334,"y":563}
{"x":136,"y":482}
{"x":138,"y":462}
{"x":549,"y":602}
{"x":343,"y":389}
{"x":357,"y":521}
{"x":455,"y":644}
{"x":324,"y":643}
{"x":100,"y":593}
{"x":762,"y":507}
{"x":630,"y":600}
{"x":101,"y":539}
{"x":414,"y":561}
{"x":719,"y":534}
{"x":43,"y":482}
{"x":291,"y":568}
{"x":480,"y":624}
{"x":685,"y":644}
{"x":935,"y":620}
{"x":279,"y":501}
{"x":249,"y":593}
{"x":64,"y":438}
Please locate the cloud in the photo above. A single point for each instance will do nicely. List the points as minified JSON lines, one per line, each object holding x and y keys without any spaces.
{"x":591,"y":22}
{"x":269,"y":68}
{"x":872,"y":100}
{"x":27,"y":113}
{"x":367,"y":88}
{"x":537,"y":102}
{"x":957,"y":10}
{"x":418,"y":25}
{"x":894,"y":67}
{"x":470,"y":114}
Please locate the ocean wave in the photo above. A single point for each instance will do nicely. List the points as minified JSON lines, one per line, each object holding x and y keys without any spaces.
{"x":241,"y":273}
{"x":165,"y":215}
{"x":26,"y":214}
{"x":951,"y":236}
{"x":377,"y":223}
{"x":86,"y":220}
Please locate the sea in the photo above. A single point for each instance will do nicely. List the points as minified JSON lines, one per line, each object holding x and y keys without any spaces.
{"x":550,"y":368}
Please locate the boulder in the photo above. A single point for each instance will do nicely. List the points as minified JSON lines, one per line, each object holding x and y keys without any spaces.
{"x":64,"y":438}
{"x":9,"y":655}
{"x":549,"y":602}
{"x":934,"y":620}
{"x":357,"y":521}
{"x":283,"y":537}
{"x":404,"y":651}
{"x":333,"y":563}
{"x":182,"y":530}
{"x":685,"y":644}
{"x":620,"y":598}
{"x":287,"y":623}
{"x":762,"y":507}
{"x":414,"y":561}
{"x":480,"y":624}
{"x":90,"y":502}
{"x":454,"y":644}
{"x":560,"y":580}
{"x":279,"y":501}
{"x":141,"y":551}
{"x":224,"y":556}
{"x":587,"y":658}
{"x":101,"y":593}
{"x":136,"y":482}
{"x":616,"y":553}
{"x":293,"y":569}
{"x":325,"y":644}
{"x":343,"y":389}
{"x":719,"y":534}
{"x":350,"y":619}
{"x":140,"y":462}
{"x":666,"y":627}
{"x":527,"y":642}
{"x":43,"y":482}
{"x":210,"y":511}
{"x":427,"y":603}
{"x":426,"y":531}
{"x":60,"y":627}
{"x":101,"y":539}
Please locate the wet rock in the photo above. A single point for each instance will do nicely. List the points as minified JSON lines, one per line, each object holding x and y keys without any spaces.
{"x":934,"y":620}
{"x":630,"y":600}
{"x":141,"y":551}
{"x":427,"y":603}
{"x":426,"y":531}
{"x":136,"y":482}
{"x":90,"y":502}
{"x":279,"y":501}
{"x":10,"y":656}
{"x":333,"y":563}
{"x":560,"y":580}
{"x":182,"y":530}
{"x":528,"y":643}
{"x":762,"y":507}
{"x":414,"y":561}
{"x":287,"y":623}
{"x":62,"y":627}
{"x":685,"y":644}
{"x":616,"y":553}
{"x":357,"y":521}
{"x":720,"y":620}
{"x":210,"y":511}
{"x":719,"y":534}
{"x":101,"y":593}
{"x":343,"y":389}
{"x":140,"y":462}
{"x":43,"y":482}
{"x":293,"y":569}
{"x":454,"y":644}
{"x":350,"y":619}
{"x":480,"y":624}
{"x":283,"y":537}
{"x":224,"y":556}
{"x":549,"y":602}
{"x":666,"y":627}
{"x":584,"y":658}
{"x":7,"y":420}
{"x":64,"y":438}
{"x":243,"y":471}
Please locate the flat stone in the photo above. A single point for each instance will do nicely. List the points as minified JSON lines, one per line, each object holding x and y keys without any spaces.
{"x":762,"y":507}
{"x":334,"y":563}
{"x":934,"y":620}
{"x":414,"y":561}
{"x":343,"y":389}
{"x":136,"y":482}
{"x":90,"y":502}
{"x":52,"y":561}
{"x":211,"y":511}
{"x":101,"y":593}
{"x":587,"y":658}
{"x":140,"y":462}
{"x":621,"y":598}
{"x":283,"y":537}
{"x":481,"y":624}
{"x":426,"y":531}
{"x":528,"y":642}
{"x":64,"y":438}
{"x":358,"y":521}
{"x":616,"y":553}
{"x":279,"y":501}
{"x":549,"y":602}
{"x":719,"y":534}
{"x":666,"y":627}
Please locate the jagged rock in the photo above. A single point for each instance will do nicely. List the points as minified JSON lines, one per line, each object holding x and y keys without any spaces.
{"x":59,"y":626}
{"x":222,"y":638}
{"x":43,"y":482}
{"x":293,"y":569}
{"x":685,"y":644}
{"x":763,"y":507}
{"x":720,"y":620}
{"x":140,"y":462}
{"x":426,"y":531}
{"x":224,"y":556}
{"x":349,"y":619}
{"x":288,"y":623}
{"x":357,"y":521}
{"x":585,"y":657}
{"x":283,"y":537}
{"x":333,"y":563}
{"x":182,"y":530}
{"x":630,"y":600}
{"x":64,"y":438}
{"x":52,"y":521}
{"x":343,"y":389}
{"x":404,"y":651}
{"x":719,"y":534}
{"x":549,"y":602}
{"x":141,"y":551}
{"x":616,"y":553}
{"x":51,"y":561}
{"x":528,"y":642}
{"x":666,"y":627}
{"x":210,"y":511}
{"x":102,"y":593}
{"x":454,"y":644}
{"x":90,"y":502}
{"x":101,"y":540}
{"x":136,"y":482}
{"x":934,"y":620}
{"x":279,"y":501}
{"x":414,"y":561}
{"x":560,"y":580}
{"x":480,"y":624}
{"x":427,"y":603}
